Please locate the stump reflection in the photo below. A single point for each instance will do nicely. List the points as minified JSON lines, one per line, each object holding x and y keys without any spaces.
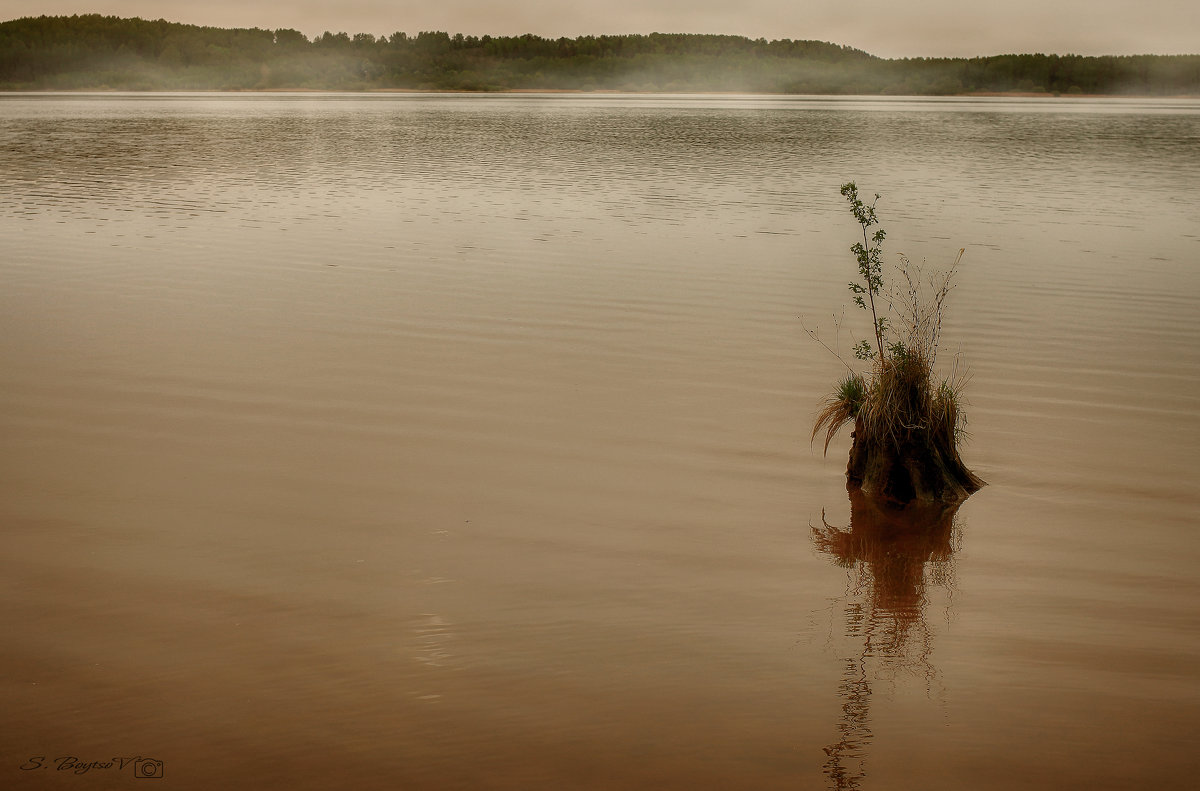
{"x":892,"y":556}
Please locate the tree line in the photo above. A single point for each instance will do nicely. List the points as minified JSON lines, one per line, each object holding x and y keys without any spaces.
{"x":103,"y":52}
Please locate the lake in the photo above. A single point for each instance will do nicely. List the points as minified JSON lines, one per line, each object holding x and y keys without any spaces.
{"x":462,"y":442}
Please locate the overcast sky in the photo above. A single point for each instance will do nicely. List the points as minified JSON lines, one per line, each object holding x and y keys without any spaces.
{"x":890,"y":28}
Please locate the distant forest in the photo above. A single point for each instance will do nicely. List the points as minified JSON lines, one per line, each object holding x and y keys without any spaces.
{"x":94,"y":52}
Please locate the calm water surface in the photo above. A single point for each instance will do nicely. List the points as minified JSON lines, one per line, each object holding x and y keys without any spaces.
{"x":461,"y":442}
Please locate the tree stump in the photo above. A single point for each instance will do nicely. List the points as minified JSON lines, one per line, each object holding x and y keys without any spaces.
{"x":920,"y":467}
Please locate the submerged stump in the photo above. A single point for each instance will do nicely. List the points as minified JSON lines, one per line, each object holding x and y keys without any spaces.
{"x":906,"y":433}
{"x":919,"y":467}
{"x":907,"y":421}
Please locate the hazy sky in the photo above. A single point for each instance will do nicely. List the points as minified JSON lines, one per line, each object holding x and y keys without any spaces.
{"x":890,"y":28}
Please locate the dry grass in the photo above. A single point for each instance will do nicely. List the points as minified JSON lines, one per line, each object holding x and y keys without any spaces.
{"x":840,"y":408}
{"x":901,"y":394}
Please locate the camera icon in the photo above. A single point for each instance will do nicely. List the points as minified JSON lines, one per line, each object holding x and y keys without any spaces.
{"x":148,"y":768}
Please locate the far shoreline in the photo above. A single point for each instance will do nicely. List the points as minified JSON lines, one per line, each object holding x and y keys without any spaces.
{"x":605,"y":92}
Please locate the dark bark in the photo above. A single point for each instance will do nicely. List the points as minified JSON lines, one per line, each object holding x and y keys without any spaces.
{"x":919,"y":467}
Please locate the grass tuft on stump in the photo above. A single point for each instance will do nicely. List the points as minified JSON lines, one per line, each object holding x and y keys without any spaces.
{"x":907,"y":422}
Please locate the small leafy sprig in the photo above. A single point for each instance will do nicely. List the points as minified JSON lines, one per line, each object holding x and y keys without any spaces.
{"x":867,"y":253}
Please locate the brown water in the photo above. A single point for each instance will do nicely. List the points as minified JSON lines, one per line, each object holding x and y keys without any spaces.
{"x":445,"y":442}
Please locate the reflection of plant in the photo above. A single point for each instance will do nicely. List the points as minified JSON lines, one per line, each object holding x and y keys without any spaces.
{"x":893,"y":556}
{"x":907,"y":424}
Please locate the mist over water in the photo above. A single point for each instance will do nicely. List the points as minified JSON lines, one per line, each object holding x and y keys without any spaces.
{"x":462,"y":442}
